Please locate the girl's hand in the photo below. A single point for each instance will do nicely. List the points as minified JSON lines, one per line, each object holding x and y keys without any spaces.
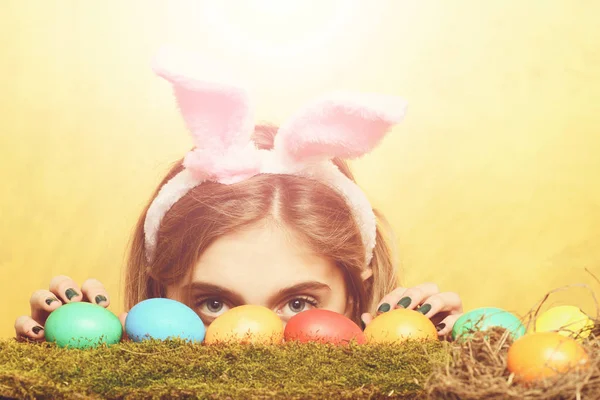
{"x":62,"y":290}
{"x":442,"y":308}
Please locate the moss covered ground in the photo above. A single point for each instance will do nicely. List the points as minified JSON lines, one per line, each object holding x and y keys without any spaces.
{"x":175,"y":369}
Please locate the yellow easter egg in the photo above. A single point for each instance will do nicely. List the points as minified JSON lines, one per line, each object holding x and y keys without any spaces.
{"x":566,"y":320}
{"x":400,"y":325}
{"x":246,"y":324}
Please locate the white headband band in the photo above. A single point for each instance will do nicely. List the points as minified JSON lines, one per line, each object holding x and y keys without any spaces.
{"x":219,"y":117}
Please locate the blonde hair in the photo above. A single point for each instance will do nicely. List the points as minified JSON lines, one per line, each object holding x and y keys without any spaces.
{"x":309,"y":208}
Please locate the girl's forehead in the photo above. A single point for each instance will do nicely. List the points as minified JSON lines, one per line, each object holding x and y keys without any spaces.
{"x":256,"y":247}
{"x":265,"y":257}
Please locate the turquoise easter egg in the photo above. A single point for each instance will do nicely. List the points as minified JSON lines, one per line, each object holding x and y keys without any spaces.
{"x":163,"y":319}
{"x":82,"y":325}
{"x":484,"y":318}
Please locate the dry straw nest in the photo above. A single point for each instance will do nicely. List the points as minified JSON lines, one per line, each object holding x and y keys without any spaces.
{"x":477,"y":369}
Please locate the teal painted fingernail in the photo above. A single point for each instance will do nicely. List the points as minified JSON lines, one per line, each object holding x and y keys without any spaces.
{"x":50,"y":300}
{"x":362,"y":325}
{"x":424,"y":309}
{"x":37,"y":329}
{"x":405,"y":302}
{"x":385,"y":307}
{"x":100,"y":299}
{"x":70,"y":293}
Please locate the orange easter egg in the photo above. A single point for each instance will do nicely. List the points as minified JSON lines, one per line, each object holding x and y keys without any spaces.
{"x":399,"y":325}
{"x":545,"y":354}
{"x":246,"y":324}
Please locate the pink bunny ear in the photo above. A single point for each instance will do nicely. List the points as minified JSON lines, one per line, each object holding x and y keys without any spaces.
{"x":345,"y":125}
{"x":217,"y":112}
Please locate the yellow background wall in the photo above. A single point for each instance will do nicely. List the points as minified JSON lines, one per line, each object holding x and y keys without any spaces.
{"x":491,"y":183}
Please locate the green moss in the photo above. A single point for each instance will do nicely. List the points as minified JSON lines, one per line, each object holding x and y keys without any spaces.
{"x":175,"y":369}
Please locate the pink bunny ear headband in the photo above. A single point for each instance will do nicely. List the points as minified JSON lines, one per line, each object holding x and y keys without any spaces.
{"x":219,"y":117}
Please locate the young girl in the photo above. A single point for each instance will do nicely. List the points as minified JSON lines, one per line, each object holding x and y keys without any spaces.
{"x":262,"y":215}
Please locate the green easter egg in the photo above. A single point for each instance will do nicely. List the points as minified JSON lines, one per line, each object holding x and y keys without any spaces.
{"x":82,"y":325}
{"x":484,"y":318}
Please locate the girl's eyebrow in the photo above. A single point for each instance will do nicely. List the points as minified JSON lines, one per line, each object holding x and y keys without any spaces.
{"x":204,"y":287}
{"x":300,"y":287}
{"x":236,"y":298}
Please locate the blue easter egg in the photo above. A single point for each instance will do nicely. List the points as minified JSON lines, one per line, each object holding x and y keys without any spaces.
{"x":484,"y":318}
{"x":163,"y":319}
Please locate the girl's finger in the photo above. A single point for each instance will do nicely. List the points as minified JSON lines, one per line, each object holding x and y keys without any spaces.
{"x":66,"y":289}
{"x":26,"y":327}
{"x":42,"y":303}
{"x":366,"y":319}
{"x":441,"y":302}
{"x":94,"y":292}
{"x":407,"y":298}
{"x":445,"y":327}
{"x":389,"y":301}
{"x":122,"y":318}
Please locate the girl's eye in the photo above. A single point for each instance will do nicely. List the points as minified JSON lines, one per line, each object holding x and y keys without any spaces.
{"x":212,"y":307}
{"x":296,"y":305}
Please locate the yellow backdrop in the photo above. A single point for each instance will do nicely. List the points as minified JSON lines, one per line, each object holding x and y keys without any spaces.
{"x":491,"y":183}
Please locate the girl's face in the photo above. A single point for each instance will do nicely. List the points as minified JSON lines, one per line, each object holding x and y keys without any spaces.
{"x":267,"y":266}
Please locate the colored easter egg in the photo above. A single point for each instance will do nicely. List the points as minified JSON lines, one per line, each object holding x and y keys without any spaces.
{"x":246,"y":324}
{"x":82,"y":325}
{"x":566,"y":320}
{"x":485,"y":318}
{"x":163,"y":319}
{"x":400,"y":325}
{"x":323,"y":326}
{"x":543,"y":355}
